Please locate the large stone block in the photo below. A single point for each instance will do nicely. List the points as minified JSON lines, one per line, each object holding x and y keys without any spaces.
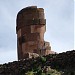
{"x":31,"y":26}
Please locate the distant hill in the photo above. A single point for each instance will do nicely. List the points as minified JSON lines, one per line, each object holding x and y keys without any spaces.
{"x":52,"y":64}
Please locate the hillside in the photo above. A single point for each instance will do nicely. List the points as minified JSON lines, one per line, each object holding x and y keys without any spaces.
{"x":53,"y":64}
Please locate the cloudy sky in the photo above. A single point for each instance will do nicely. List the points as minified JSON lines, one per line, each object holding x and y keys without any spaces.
{"x":59,"y":16}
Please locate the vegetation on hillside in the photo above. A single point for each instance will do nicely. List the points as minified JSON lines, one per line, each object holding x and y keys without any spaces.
{"x":53,"y":64}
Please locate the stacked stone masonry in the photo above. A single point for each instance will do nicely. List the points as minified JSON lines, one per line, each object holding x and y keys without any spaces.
{"x":31,"y":26}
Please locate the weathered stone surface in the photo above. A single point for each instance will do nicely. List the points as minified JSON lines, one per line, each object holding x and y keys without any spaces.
{"x":31,"y":26}
{"x":64,"y":62}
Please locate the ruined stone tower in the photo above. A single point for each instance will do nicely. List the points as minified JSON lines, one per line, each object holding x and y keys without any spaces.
{"x":30,"y":29}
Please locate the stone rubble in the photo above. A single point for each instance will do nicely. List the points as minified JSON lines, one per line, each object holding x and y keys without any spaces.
{"x":62,"y":61}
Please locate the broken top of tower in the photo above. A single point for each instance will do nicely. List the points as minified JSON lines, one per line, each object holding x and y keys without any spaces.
{"x":31,"y":26}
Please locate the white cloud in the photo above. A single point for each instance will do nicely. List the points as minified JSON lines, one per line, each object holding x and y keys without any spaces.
{"x":60,"y":27}
{"x":59,"y":18}
{"x":7,"y":55}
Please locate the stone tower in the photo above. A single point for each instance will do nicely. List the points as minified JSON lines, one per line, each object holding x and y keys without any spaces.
{"x":30,"y":29}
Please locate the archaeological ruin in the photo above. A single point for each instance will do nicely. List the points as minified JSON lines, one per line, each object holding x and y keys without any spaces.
{"x":35,"y":56}
{"x":30,"y":29}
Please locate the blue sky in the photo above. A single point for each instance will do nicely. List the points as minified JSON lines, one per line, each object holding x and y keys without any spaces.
{"x":59,"y":16}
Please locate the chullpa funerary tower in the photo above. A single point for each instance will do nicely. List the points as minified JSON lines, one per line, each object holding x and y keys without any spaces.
{"x":30,"y":29}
